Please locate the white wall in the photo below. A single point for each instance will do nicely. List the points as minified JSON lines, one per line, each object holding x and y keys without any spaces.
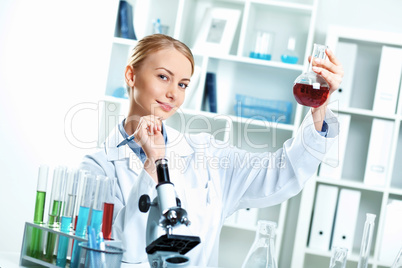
{"x":376,"y":15}
{"x":53,"y":56}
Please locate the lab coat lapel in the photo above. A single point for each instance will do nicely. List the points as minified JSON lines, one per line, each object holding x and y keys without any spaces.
{"x":123,"y":152}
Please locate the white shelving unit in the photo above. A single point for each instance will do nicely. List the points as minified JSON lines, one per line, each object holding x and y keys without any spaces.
{"x":236,"y":73}
{"x":374,"y":199}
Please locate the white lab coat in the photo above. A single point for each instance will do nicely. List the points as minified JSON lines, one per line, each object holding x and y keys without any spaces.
{"x":212,"y":179}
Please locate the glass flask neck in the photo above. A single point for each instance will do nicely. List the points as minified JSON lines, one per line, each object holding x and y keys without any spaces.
{"x":262,"y":252}
{"x":318,"y":53}
{"x":338,"y":258}
{"x":266,"y":230}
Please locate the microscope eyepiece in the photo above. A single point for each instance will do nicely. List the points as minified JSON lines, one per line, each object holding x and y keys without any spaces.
{"x":162,"y":170}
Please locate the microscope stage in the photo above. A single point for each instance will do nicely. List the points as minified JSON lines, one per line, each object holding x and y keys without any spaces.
{"x":173,"y":243}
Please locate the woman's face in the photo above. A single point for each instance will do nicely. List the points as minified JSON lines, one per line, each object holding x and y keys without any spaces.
{"x":160,"y":83}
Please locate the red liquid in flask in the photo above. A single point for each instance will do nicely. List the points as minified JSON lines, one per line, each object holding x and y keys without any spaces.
{"x":107,"y":220}
{"x":308,"y":96}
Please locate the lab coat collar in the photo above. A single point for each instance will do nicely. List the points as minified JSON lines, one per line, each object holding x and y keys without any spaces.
{"x":176,"y":144}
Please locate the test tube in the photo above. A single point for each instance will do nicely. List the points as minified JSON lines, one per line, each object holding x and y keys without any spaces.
{"x":398,"y":260}
{"x":338,"y":258}
{"x":86,"y":198}
{"x":68,"y":208}
{"x":366,"y":241}
{"x":36,"y":242}
{"x":56,"y":200}
{"x":97,"y":208}
{"x":108,"y":209}
{"x":82,"y":174}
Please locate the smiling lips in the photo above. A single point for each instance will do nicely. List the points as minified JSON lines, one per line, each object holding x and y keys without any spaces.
{"x":165,"y":106}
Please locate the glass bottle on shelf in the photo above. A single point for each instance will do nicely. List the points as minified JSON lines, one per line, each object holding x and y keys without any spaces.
{"x":290,"y":56}
{"x":263,"y":46}
{"x":311,"y":89}
{"x":338,"y":258}
{"x":262,"y":252}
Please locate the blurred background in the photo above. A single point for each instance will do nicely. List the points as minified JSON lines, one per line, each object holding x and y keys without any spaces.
{"x":54,"y":56}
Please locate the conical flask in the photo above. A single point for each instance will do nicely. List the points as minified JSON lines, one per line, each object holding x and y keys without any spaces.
{"x":262,"y":252}
{"x":311,"y":89}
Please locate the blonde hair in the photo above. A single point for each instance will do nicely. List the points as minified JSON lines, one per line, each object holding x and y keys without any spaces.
{"x":155,"y":42}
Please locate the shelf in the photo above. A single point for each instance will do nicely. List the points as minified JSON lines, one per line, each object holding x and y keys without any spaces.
{"x":365,"y":112}
{"x":290,"y":5}
{"x":351,"y":257}
{"x":351,"y":184}
{"x":274,"y":64}
{"x":395,"y":191}
{"x":241,"y":120}
{"x":124,"y":41}
{"x":240,"y":227}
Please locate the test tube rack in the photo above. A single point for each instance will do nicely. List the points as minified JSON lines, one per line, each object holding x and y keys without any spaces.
{"x":28,"y":261}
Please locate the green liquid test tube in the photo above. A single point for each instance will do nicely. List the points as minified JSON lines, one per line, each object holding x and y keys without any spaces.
{"x":36,"y":240}
{"x":58,"y":188}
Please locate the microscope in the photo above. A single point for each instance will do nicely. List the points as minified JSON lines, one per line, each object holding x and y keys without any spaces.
{"x":165,"y":213}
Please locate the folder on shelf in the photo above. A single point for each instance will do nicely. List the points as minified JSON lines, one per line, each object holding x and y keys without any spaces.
{"x":210,"y":91}
{"x":125,"y":26}
{"x":346,"y":219}
{"x":392,"y":237}
{"x":389,"y":77}
{"x":346,"y":53}
{"x":323,"y":217}
{"x":331,"y":165}
{"x":379,"y":152}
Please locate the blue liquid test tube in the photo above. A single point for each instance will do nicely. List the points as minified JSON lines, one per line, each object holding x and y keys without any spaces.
{"x":68,"y":208}
{"x":86,"y":197}
{"x":100,"y":198}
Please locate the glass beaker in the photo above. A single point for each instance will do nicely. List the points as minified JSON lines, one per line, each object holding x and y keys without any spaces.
{"x":311,"y":89}
{"x":338,"y":258}
{"x":262,"y":252}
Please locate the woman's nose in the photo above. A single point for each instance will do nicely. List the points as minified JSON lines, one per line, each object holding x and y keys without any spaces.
{"x":171,"y":92}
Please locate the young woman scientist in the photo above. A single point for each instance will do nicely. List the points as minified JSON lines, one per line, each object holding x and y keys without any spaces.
{"x":157,"y":75}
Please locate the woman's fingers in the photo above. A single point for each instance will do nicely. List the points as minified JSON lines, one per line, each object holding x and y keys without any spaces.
{"x":330,"y":69}
{"x":148,"y":126}
{"x":332,"y":58}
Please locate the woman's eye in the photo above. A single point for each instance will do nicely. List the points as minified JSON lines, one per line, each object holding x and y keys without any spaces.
{"x":183,"y":86}
{"x":163,"y":77}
